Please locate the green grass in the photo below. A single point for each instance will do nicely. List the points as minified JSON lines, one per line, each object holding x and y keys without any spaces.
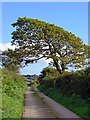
{"x":75,"y":103}
{"x":0,"y":103}
{"x":13,"y":89}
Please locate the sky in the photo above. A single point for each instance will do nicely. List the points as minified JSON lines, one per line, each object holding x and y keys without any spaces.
{"x":72,"y":16}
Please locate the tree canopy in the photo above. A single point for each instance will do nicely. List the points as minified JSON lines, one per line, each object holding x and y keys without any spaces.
{"x":37,"y":39}
{"x":11,"y":61}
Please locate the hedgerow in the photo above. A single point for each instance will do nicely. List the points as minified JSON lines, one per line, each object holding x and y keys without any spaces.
{"x":13,"y":89}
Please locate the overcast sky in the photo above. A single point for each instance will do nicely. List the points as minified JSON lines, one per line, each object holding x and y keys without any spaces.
{"x":72,"y":16}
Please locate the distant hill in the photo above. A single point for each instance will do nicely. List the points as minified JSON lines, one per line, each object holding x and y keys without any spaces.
{"x":31,"y":77}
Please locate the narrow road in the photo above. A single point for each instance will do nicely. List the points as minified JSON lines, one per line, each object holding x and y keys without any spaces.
{"x":38,"y":105}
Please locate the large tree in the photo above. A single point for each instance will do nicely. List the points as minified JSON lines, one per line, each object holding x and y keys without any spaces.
{"x":37,"y":39}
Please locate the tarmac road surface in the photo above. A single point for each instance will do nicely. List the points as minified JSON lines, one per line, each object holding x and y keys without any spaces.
{"x":38,"y":105}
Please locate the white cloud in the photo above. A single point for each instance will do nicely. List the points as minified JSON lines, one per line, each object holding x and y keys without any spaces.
{"x":5,"y":46}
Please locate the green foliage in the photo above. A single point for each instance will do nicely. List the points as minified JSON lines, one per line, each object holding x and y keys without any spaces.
{"x":71,"y":89}
{"x":48,"y":76}
{"x":50,"y":72}
{"x":0,"y":94}
{"x":37,"y":39}
{"x":87,"y":71}
{"x":13,"y":89}
{"x":11,"y":60}
{"x":74,"y":83}
{"x":69,"y":82}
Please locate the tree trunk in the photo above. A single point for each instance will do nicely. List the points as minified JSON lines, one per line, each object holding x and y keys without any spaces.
{"x":57,"y":66}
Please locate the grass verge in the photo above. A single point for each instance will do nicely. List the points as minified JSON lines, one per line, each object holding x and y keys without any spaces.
{"x":13,"y":89}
